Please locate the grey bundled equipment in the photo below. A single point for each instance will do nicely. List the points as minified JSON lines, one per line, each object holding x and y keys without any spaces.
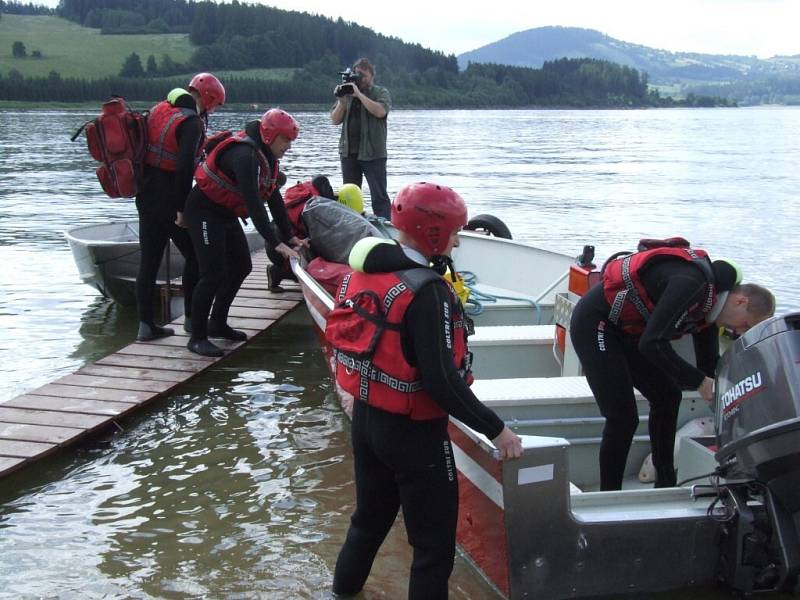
{"x":334,"y":228}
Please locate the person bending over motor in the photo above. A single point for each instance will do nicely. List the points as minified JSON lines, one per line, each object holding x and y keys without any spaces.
{"x":622,"y":329}
{"x":176,"y":131}
{"x":240,"y":173}
{"x":405,"y":387}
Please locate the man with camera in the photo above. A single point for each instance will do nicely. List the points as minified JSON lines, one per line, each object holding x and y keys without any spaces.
{"x":362,"y":107}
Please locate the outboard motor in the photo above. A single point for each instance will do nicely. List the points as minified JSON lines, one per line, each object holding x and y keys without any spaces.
{"x":758,"y":440}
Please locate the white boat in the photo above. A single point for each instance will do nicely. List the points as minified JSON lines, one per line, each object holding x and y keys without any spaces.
{"x":107,"y":256}
{"x":537,"y":527}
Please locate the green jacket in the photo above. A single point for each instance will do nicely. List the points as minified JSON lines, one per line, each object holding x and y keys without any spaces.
{"x":373,"y":130}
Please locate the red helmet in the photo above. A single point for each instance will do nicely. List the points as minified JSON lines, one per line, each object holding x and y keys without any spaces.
{"x":429,"y":213}
{"x":210,"y":89}
{"x":277,"y":122}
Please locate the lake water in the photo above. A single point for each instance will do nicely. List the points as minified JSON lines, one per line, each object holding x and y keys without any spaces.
{"x":239,"y":484}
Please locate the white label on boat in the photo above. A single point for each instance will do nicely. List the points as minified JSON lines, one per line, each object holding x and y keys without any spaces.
{"x":478,"y":476}
{"x":535,"y":474}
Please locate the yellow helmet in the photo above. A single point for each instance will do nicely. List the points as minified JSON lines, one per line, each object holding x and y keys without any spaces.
{"x":174,"y":94}
{"x":350,"y":195}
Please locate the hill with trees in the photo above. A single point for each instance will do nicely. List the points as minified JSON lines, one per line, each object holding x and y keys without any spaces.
{"x":267,"y":55}
{"x":743,"y":78}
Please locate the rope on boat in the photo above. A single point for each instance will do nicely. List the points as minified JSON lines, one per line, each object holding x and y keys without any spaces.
{"x":379,"y":223}
{"x":476,"y":299}
{"x":475,"y":304}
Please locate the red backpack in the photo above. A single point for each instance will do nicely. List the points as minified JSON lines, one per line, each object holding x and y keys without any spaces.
{"x":118,"y":139}
{"x":295,"y":199}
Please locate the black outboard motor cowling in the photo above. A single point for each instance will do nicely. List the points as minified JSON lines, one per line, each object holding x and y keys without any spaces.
{"x":758,"y":440}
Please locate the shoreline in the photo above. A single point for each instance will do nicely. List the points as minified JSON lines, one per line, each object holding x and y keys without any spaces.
{"x":243,"y":107}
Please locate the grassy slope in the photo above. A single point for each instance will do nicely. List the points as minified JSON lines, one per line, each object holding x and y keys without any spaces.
{"x":76,"y":51}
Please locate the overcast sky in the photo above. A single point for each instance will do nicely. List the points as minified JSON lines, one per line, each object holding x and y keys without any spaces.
{"x":760,"y":27}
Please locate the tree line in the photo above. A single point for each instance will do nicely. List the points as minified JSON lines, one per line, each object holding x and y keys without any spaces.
{"x":239,"y":36}
{"x":25,"y":8}
{"x":578,"y":83}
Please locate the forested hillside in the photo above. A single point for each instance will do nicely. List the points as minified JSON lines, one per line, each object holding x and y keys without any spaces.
{"x":746,"y":79}
{"x":250,"y":42}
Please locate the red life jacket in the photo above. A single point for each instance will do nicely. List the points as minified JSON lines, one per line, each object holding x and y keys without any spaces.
{"x":626,"y":295}
{"x":222,"y":189}
{"x":365,"y":330}
{"x":162,"y":141}
{"x":295,"y":199}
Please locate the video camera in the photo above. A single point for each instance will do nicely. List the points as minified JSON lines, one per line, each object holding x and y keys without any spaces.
{"x":347,"y":77}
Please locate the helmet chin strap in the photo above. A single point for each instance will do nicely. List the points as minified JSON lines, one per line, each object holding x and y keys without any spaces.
{"x":440,"y":263}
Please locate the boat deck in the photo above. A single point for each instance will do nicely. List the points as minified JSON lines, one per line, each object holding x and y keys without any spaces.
{"x":76,"y":406}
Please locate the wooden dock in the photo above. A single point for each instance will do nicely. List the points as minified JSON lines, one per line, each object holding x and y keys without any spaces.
{"x":74,"y":407}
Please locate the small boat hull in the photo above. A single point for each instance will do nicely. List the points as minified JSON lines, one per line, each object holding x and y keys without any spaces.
{"x":107,"y":257}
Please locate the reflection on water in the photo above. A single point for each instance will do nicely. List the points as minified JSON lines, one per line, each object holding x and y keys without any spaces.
{"x":240,"y":483}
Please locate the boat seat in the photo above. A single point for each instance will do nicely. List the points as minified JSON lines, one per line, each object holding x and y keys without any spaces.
{"x":500,"y":394}
{"x":523,"y":391}
{"x":507,"y":351}
{"x":507,"y":335}
{"x":643,"y":504}
{"x":564,"y":407}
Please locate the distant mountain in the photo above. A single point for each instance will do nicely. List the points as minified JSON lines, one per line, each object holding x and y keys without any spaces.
{"x":533,"y":47}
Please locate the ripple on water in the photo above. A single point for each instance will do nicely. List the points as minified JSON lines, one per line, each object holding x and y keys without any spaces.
{"x":240,"y":484}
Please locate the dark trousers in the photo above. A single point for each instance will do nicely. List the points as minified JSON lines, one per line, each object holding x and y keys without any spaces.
{"x":281,"y":267}
{"x":613,"y":366}
{"x":224,"y":258}
{"x":155,"y":231}
{"x":375,"y":172}
{"x":400,"y":462}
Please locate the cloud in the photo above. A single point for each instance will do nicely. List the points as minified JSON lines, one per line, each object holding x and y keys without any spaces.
{"x":762,"y":27}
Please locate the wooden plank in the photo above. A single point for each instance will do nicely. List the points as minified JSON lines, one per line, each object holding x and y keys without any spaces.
{"x":261,"y":284}
{"x":88,"y":393}
{"x":163,"y":352}
{"x":132,"y":373}
{"x":171,"y":341}
{"x":25,"y":432}
{"x":252,"y":327}
{"x":147,"y":362}
{"x":262,"y":293}
{"x":241,"y":323}
{"x":50,"y":417}
{"x":114,"y":383}
{"x":23,"y":449}
{"x":264,"y":302}
{"x":257,"y":313}
{"x":70,"y":405}
{"x":8,"y":464}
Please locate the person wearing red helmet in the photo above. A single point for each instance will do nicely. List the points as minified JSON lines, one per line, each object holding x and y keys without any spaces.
{"x":176,"y":129}
{"x":208,"y":92}
{"x":240,"y":173}
{"x":405,"y":387}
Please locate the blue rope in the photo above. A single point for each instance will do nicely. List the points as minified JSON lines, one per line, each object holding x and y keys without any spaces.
{"x":478,"y":299}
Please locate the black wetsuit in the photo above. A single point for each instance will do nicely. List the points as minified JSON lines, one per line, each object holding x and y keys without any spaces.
{"x":614,"y":362}
{"x":218,"y":238}
{"x":402,"y":462}
{"x":164,"y":195}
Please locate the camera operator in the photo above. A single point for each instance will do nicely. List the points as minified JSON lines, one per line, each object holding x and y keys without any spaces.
{"x":362,"y":107}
